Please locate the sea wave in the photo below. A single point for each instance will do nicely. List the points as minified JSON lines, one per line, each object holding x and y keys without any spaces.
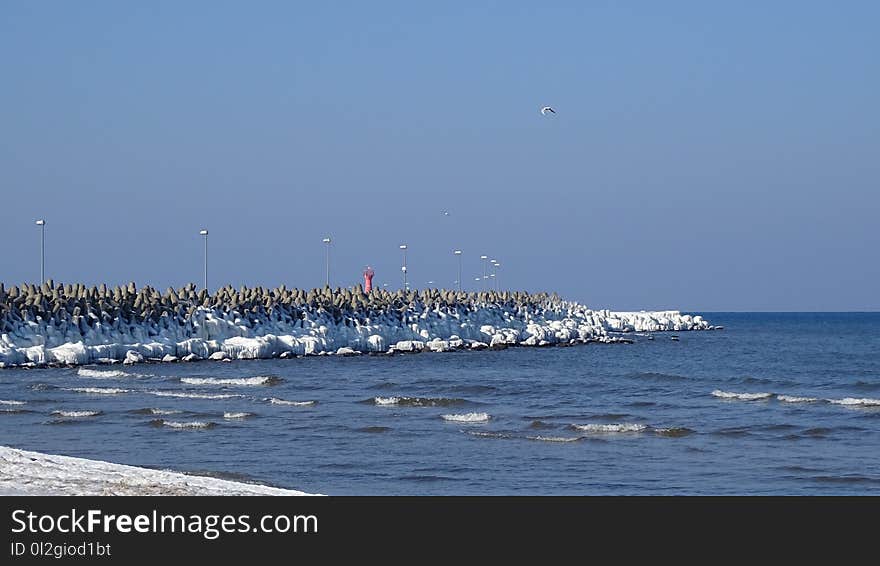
{"x":5,"y":402}
{"x":374,"y":429}
{"x":155,"y":411}
{"x":277,"y":401}
{"x":610,"y":428}
{"x":488,"y":434}
{"x":256,"y":380}
{"x":853,"y":402}
{"x":741,"y":396}
{"x":182,"y":425}
{"x":794,"y":399}
{"x":673,"y":432}
{"x":417,"y":401}
{"x":101,"y":373}
{"x":98,"y":390}
{"x":184,"y":395}
{"x":76,"y":414}
{"x":555,"y":438}
{"x":241,"y":415}
{"x":467,"y":418}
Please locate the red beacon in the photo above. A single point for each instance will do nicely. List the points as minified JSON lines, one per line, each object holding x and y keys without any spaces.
{"x":368,"y":279}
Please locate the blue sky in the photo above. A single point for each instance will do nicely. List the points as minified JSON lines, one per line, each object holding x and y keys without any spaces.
{"x":704,"y":156}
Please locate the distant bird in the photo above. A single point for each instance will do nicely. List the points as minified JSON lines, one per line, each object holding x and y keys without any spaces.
{"x":546,"y":109}
{"x":445,"y":213}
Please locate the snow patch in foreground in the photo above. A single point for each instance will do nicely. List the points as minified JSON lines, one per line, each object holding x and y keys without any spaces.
{"x":23,"y":472}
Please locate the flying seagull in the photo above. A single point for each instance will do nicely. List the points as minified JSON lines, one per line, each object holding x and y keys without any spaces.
{"x":546,"y":109}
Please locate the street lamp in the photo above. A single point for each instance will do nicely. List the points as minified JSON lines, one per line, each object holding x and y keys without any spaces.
{"x":403,"y":269}
{"x":458,"y":253}
{"x":42,"y":224}
{"x":327,"y":241}
{"x":484,"y":258}
{"x":204,"y":232}
{"x":497,"y":285}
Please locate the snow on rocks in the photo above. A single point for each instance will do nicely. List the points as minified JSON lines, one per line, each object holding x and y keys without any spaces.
{"x":77,"y":325}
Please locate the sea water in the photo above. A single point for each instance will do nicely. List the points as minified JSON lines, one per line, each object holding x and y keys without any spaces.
{"x":773,"y":404}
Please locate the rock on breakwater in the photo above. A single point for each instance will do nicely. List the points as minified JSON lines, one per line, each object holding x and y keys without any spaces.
{"x":77,"y":324}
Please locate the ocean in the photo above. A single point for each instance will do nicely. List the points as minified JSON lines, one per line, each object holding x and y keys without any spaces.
{"x":774,"y":404}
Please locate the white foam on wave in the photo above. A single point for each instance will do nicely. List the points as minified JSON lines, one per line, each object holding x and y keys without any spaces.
{"x":190,"y":424}
{"x":487,"y":434}
{"x":4,"y":402}
{"x":386,"y":400}
{"x":554,"y":438}
{"x":257,"y":380}
{"x":794,"y":399}
{"x":98,"y":390}
{"x":741,"y":396}
{"x":853,"y":402}
{"x":467,"y":418}
{"x":277,"y":401}
{"x":76,"y":414}
{"x":241,"y":415}
{"x":100,"y":373}
{"x":154,"y":411}
{"x":611,"y":428}
{"x":183,"y":395}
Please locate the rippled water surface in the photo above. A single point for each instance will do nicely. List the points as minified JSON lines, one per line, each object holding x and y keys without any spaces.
{"x":772,"y":404}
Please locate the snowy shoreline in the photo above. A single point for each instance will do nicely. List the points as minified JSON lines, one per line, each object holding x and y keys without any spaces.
{"x":23,"y":472}
{"x":76,"y":325}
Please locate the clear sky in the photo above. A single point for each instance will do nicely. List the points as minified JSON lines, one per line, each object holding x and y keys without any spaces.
{"x":704,"y":155}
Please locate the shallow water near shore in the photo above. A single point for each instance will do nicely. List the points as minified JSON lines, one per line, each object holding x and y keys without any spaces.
{"x":773,"y":404}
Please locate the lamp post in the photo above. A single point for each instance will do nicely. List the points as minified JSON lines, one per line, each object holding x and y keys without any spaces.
{"x":497,"y":285}
{"x":204,"y":232}
{"x":42,"y":224}
{"x":484,"y":258}
{"x":494,"y":275}
{"x":403,"y":269}
{"x":327,"y":242}
{"x":458,"y":253}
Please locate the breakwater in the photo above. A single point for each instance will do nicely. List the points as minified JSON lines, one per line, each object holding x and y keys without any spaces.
{"x":78,"y":324}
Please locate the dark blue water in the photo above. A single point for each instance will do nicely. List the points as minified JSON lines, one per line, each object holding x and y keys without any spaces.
{"x":346,"y":444}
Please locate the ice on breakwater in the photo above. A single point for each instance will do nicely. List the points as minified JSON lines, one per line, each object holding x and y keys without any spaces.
{"x":76,"y":324}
